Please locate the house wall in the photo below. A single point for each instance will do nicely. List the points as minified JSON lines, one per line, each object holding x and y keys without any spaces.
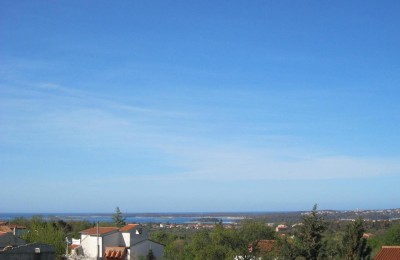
{"x":19,"y":232}
{"x":126,"y":238}
{"x":89,"y":245}
{"x":142,"y":249}
{"x":113,"y":239}
{"x":28,"y":252}
{"x":136,"y":239}
{"x":9,"y":239}
{"x":138,"y":235}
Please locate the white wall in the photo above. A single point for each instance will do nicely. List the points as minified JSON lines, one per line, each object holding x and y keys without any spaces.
{"x":89,"y":245}
{"x":126,"y":238}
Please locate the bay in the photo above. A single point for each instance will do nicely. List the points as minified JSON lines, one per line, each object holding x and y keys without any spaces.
{"x":142,"y":218}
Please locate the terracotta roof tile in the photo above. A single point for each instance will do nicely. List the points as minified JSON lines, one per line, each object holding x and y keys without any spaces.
{"x":73,"y":246}
{"x":5,"y":229}
{"x":266,"y":245}
{"x":388,"y":253}
{"x":128,"y":227}
{"x":102,"y":230}
{"x":115,"y":252}
{"x":17,"y":226}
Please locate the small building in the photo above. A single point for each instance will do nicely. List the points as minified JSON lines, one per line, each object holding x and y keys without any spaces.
{"x":128,"y":242}
{"x":35,"y":251}
{"x":17,"y":230}
{"x":388,"y":253}
{"x":281,"y":228}
{"x":8,"y":240}
{"x":94,"y":240}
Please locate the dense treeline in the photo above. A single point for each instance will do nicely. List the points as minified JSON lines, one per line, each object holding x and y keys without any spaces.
{"x":314,"y":238}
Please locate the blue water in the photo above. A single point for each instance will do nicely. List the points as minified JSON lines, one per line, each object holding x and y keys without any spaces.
{"x":130,"y":218}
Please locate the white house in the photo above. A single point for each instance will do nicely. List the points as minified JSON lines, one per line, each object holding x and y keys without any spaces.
{"x":129,"y":242}
{"x":281,"y":227}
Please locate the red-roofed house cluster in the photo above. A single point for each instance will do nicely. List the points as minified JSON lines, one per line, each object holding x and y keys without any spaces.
{"x":128,"y":242}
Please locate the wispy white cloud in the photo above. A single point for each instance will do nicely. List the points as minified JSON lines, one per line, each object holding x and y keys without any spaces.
{"x":62,"y":116}
{"x":257,"y":164}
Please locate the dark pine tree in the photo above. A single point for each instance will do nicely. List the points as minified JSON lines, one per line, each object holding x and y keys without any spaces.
{"x":354,"y":246}
{"x":119,"y":220}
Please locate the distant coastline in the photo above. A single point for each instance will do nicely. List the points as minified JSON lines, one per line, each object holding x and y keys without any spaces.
{"x":225,"y":217}
{"x":178,"y":218}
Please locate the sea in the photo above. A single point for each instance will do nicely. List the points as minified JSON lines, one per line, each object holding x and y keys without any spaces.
{"x":143,"y":218}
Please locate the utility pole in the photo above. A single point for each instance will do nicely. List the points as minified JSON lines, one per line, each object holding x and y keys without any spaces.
{"x":98,"y":246}
{"x":66,"y":249}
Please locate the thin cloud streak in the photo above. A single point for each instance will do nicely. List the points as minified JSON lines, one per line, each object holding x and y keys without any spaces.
{"x":79,"y":119}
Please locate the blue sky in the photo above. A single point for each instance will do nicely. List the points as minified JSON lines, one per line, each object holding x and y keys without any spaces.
{"x":173,"y":106}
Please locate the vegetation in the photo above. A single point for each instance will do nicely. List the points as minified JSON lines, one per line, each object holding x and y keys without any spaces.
{"x":390,"y":237}
{"x":310,"y":236}
{"x":307,"y":242}
{"x":119,"y":220}
{"x":51,"y":231}
{"x":354,"y":246}
{"x":150,"y":255}
{"x":48,"y":232}
{"x":313,"y":238}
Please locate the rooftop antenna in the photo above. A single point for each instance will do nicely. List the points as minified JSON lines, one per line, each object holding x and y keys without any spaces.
{"x":98,"y":247}
{"x":68,"y":243}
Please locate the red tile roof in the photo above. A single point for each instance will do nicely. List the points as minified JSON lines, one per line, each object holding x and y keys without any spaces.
{"x":115,"y":252}
{"x":368,"y":235}
{"x":102,"y":230}
{"x":128,"y":227}
{"x":388,"y":253}
{"x":16,"y":226}
{"x":266,"y":245}
{"x":5,"y":229}
{"x":73,"y":246}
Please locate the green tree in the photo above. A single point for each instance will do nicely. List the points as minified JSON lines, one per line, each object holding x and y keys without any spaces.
{"x":287,"y":247}
{"x":226,"y":241}
{"x":163,"y":237}
{"x":150,"y":255}
{"x":250,"y":232}
{"x":119,"y":220}
{"x":392,"y":236}
{"x":200,"y":245}
{"x":41,"y":231}
{"x":176,"y":250}
{"x":223,"y":243}
{"x":354,"y":246}
{"x":309,"y":236}
{"x":215,"y":245}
